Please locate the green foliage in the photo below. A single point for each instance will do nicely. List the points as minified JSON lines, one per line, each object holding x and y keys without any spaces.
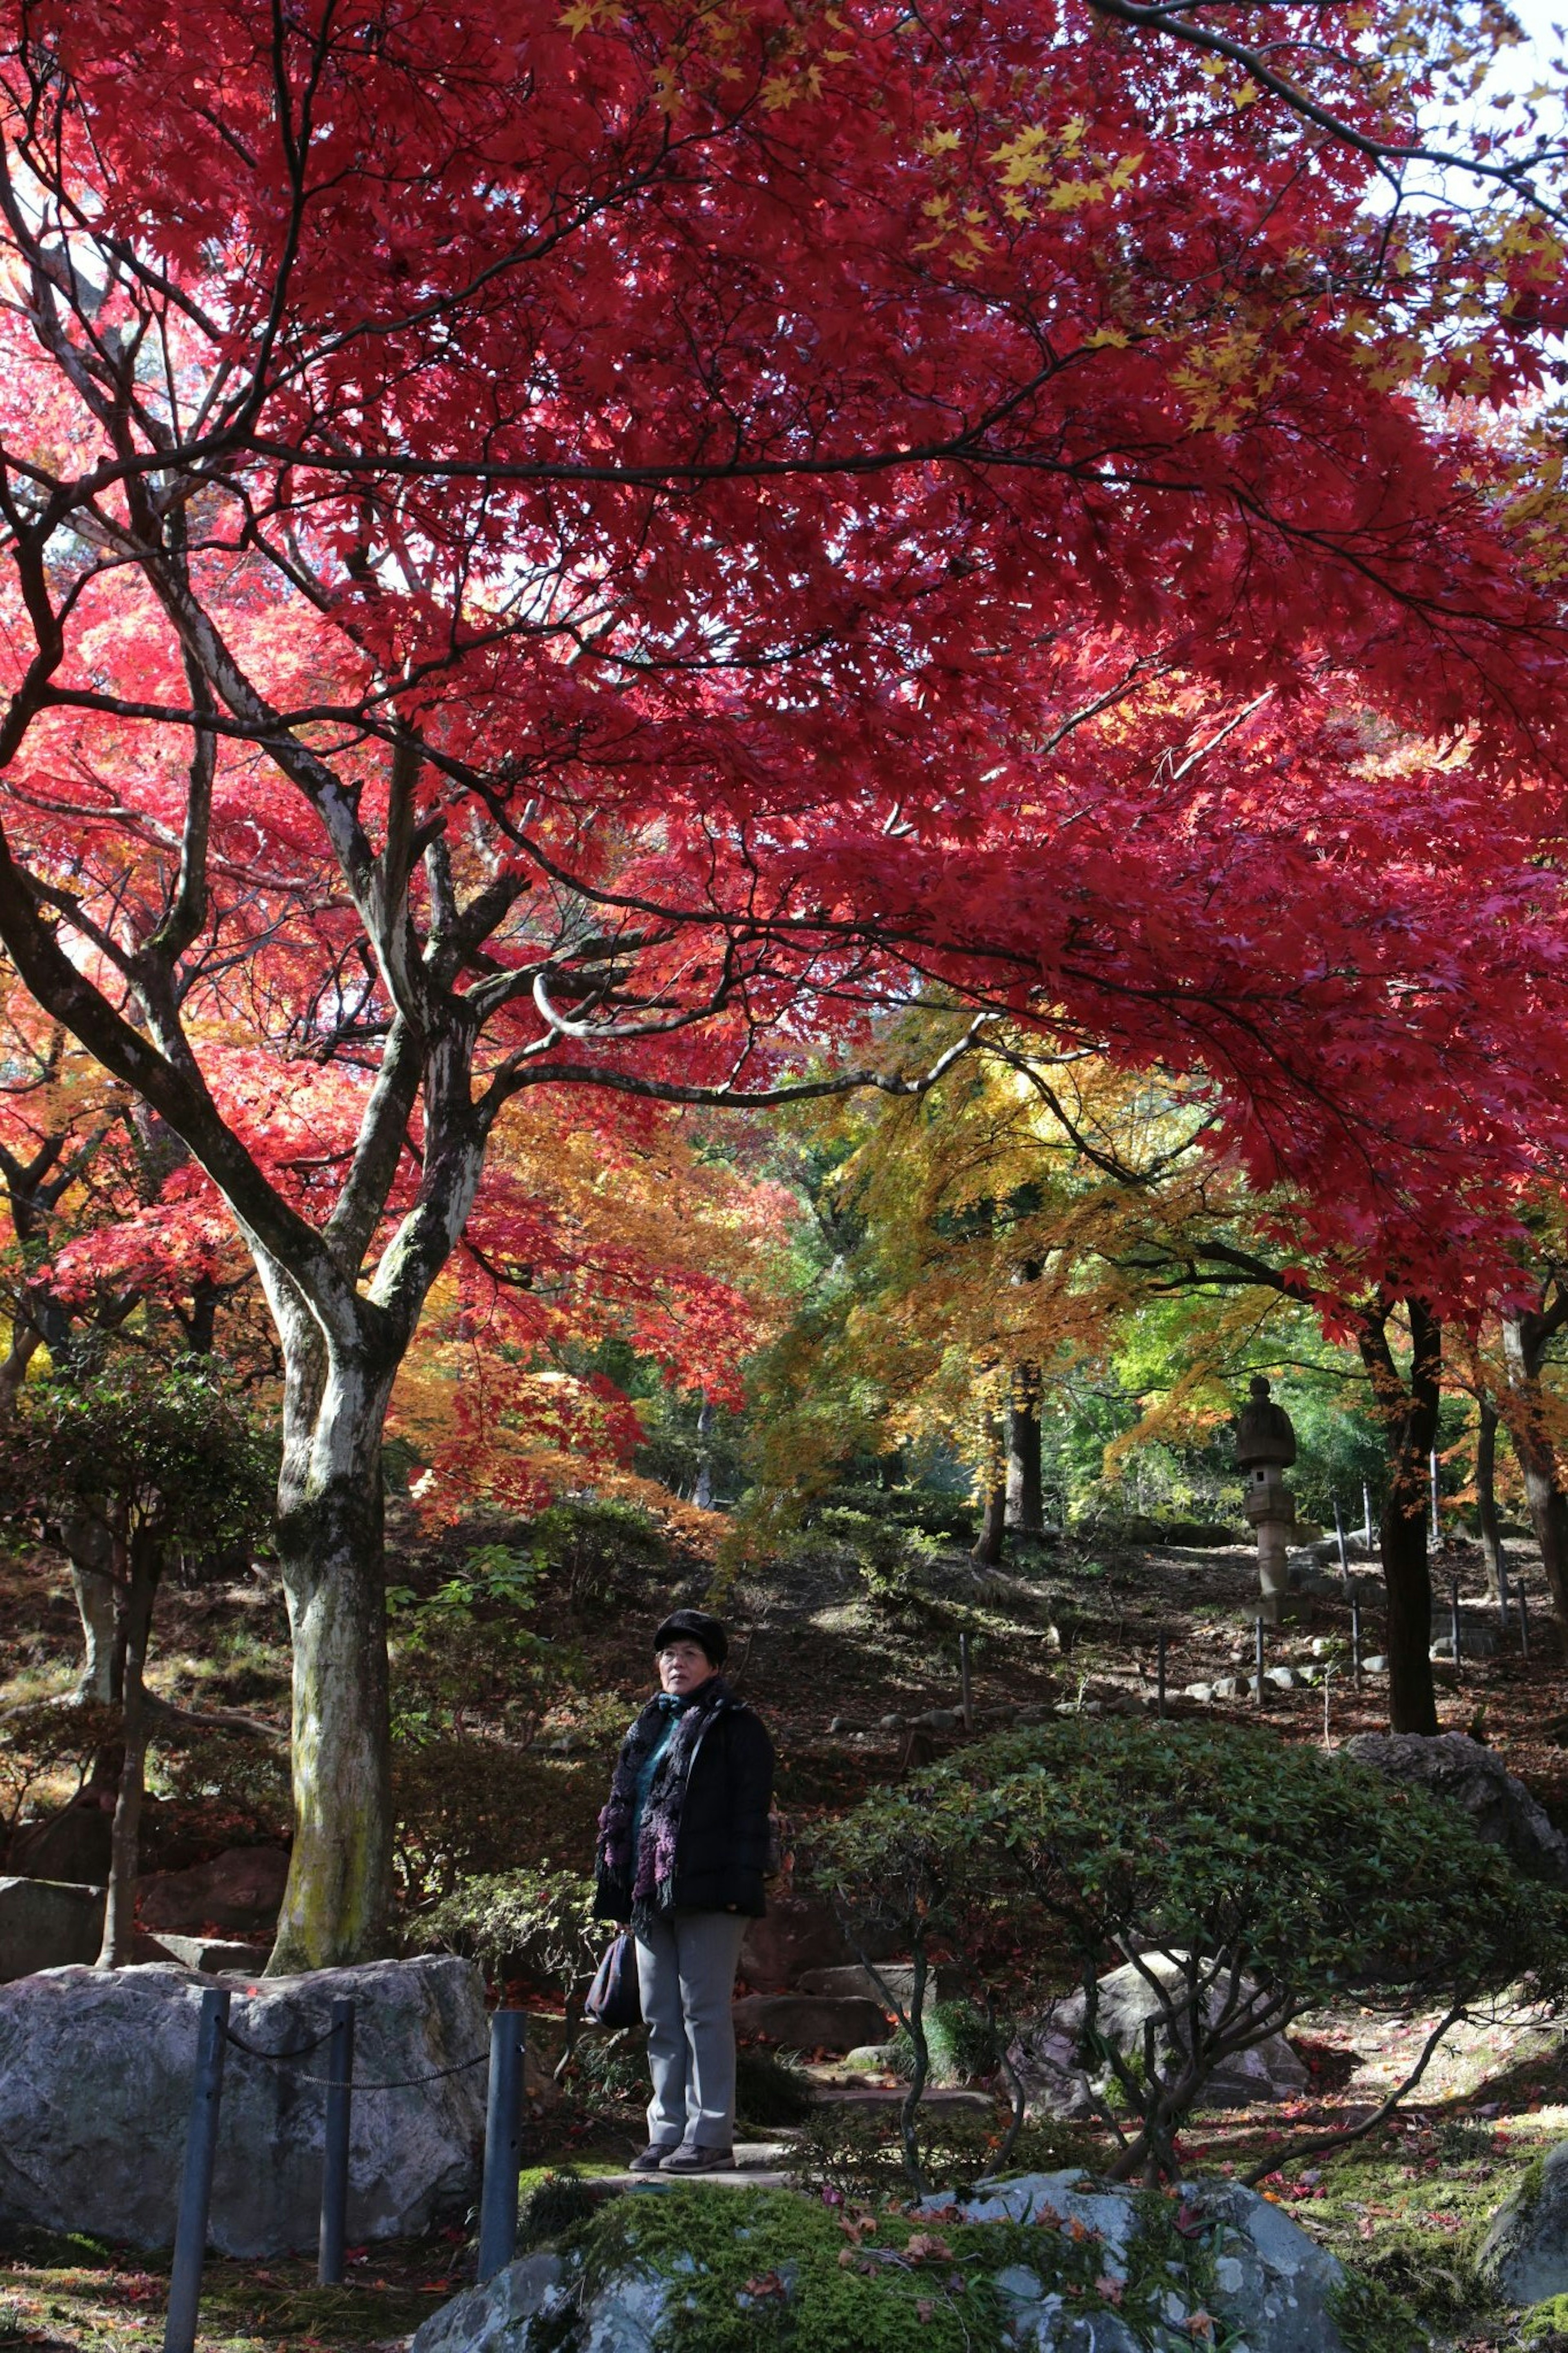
{"x":1545,"y":2328}
{"x":1303,"y":1874}
{"x":1372,"y":2318}
{"x":772,"y":2088}
{"x":466,"y":1806}
{"x":238,"y":1785}
{"x":888,"y":1557}
{"x":555,"y":2209}
{"x":465,"y":1655}
{"x":964,"y":2045}
{"x":858,"y":2153}
{"x":165,"y":1449}
{"x":604,"y":1550}
{"x":612,"y":2069}
{"x":538,"y":1924}
{"x":37,"y":1741}
{"x":1437,"y":2283}
{"x":927,"y":1511}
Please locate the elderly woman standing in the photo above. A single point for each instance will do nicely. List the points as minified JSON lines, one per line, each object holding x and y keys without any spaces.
{"x":682,"y":1848}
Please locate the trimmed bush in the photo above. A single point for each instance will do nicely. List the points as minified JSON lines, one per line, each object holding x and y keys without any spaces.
{"x":1274,"y":1877}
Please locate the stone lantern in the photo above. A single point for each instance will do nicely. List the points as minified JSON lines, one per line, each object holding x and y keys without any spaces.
{"x":1265,"y":1449}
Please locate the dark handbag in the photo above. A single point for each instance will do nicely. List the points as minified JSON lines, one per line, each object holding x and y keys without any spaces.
{"x":614,"y":1998}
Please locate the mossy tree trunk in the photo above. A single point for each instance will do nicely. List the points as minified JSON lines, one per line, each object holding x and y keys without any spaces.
{"x":143,"y":1572}
{"x":330,"y":1547}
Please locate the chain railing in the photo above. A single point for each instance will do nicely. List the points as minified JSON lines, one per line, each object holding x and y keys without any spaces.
{"x":215,"y":2037}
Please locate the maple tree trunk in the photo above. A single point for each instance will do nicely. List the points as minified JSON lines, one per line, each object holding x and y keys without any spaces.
{"x":1526,"y":1411}
{"x":1409,"y":1415}
{"x":702,"y":1493}
{"x":1025,"y":1497}
{"x":88,"y":1548}
{"x":330,"y":1550}
{"x":988,"y":1544}
{"x":1486,"y":1498}
{"x":144,"y":1568}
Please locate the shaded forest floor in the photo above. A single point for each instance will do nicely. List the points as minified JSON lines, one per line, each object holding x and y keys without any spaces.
{"x":1065,"y":1627}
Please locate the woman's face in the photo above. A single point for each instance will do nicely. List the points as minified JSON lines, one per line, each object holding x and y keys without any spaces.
{"x":682,"y":1666}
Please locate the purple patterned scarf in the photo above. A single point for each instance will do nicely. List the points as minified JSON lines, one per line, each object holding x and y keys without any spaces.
{"x":651,"y":1874}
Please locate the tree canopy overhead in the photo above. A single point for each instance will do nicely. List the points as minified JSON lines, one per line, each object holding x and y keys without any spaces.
{"x":573,"y":547}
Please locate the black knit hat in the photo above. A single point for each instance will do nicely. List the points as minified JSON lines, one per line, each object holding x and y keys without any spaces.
{"x":697,"y":1627}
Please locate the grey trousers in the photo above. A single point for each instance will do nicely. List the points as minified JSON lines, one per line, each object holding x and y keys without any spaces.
{"x":686,"y":1973}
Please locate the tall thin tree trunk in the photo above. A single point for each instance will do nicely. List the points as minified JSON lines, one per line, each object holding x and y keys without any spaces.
{"x":1486,"y":1497}
{"x":144,"y":1566}
{"x":337,"y":1905}
{"x":702,"y":1494}
{"x":1025,"y":1495}
{"x":1409,"y":1416}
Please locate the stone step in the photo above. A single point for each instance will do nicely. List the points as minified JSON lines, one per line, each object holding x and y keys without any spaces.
{"x":892,"y":2096}
{"x":759,"y":2165}
{"x":213,"y":1955}
{"x":899,"y":1977}
{"x":805,"y":2021}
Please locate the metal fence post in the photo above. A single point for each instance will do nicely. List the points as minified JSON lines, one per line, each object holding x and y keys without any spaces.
{"x":1455,"y":1629}
{"x":335,"y":2147}
{"x":503,"y":2143}
{"x":197,"y":2178}
{"x":1523,"y":1623}
{"x":1258,"y":1694}
{"x":1355,"y":1638}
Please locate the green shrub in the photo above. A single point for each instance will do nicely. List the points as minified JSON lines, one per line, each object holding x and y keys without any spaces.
{"x":1372,"y":2318}
{"x":922,"y":1509}
{"x":538,"y":1924}
{"x":858,"y":2153}
{"x":1545,"y":2328}
{"x":606,"y":1551}
{"x":888,"y":1557}
{"x":556,"y":2208}
{"x":963,"y":2045}
{"x":1275,"y":1877}
{"x":612,"y":2069}
{"x":772,"y":2087}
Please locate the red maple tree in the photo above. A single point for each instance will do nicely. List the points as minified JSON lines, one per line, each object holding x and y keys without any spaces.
{"x":560,"y":547}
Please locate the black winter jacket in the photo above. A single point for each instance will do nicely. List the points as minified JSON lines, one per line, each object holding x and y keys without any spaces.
{"x":721,"y":1845}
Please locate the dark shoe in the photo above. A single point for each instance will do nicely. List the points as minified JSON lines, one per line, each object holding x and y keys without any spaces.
{"x":692,"y":2158}
{"x":649,"y":2160}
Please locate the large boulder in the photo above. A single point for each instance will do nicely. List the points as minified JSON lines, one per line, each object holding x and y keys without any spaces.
{"x":811,"y":2021}
{"x":1091,"y":2270}
{"x":1500,"y":1808}
{"x":1047,"y":2054}
{"x":1525,"y":2256}
{"x":95,"y":2090}
{"x":236,"y":1894}
{"x":798,"y":1932}
{"x":45,"y":1924}
{"x":72,"y":1844}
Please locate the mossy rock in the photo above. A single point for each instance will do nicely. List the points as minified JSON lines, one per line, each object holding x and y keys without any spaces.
{"x":681,"y":2268}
